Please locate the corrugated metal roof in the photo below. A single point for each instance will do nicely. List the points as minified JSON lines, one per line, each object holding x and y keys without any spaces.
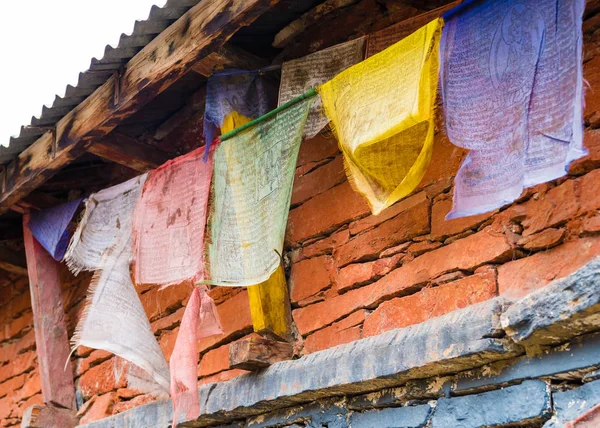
{"x":99,"y":71}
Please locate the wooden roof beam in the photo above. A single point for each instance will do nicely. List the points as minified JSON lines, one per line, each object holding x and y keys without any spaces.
{"x":13,"y":262}
{"x":200,"y":31}
{"x":127,"y":151}
{"x":229,"y":57}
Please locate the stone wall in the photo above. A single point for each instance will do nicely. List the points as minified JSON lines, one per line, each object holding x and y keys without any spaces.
{"x":352,"y":275}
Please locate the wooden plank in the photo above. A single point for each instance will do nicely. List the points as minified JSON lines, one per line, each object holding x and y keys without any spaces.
{"x":38,"y":416}
{"x":201,"y":30}
{"x":270,"y":306}
{"x":258,"y":352}
{"x":127,"y":151}
{"x":228,"y":57}
{"x":51,"y":339}
{"x":13,"y":262}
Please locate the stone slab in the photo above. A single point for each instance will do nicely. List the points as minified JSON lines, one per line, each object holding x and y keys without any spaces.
{"x":528,"y":402}
{"x":581,"y":354}
{"x":569,"y":405}
{"x":564,"y":309}
{"x":397,"y":417}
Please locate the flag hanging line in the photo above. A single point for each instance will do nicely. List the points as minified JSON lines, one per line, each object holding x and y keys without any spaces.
{"x":308,"y":94}
{"x":234,"y":72}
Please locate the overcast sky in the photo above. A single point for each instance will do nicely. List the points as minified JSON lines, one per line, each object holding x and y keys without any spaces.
{"x":46,"y":43}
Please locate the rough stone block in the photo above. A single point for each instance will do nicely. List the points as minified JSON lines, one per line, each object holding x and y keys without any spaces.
{"x":326,"y":413}
{"x":405,"y":417}
{"x":581,"y":355}
{"x":566,"y":308}
{"x":569,"y":405}
{"x":519,"y":404}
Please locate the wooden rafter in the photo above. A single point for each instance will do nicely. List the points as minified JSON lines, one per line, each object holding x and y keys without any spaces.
{"x":127,"y":151}
{"x":13,"y":262}
{"x":228,"y":57}
{"x":200,"y":31}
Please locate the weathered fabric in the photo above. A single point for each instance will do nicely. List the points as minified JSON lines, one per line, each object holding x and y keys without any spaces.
{"x":170,"y":220}
{"x":106,"y":220}
{"x":199,"y":320}
{"x":252,"y":180}
{"x":302,"y":74}
{"x":245,"y":92}
{"x":50,"y":227}
{"x":382,"y":112}
{"x":114,"y":319}
{"x":512,"y":93}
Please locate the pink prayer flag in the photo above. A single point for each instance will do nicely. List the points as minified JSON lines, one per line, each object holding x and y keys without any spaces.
{"x":170,"y":219}
{"x":200,"y":320}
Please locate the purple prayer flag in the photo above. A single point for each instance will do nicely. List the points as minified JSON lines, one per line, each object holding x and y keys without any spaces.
{"x":512,"y":85}
{"x":246,"y":92}
{"x":49,"y":227}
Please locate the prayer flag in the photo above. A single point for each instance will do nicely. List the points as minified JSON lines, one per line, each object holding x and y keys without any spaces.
{"x":245,"y":92}
{"x":512,"y":94}
{"x":252,"y":180}
{"x":302,"y":74}
{"x":382,"y":112}
{"x":199,"y":320}
{"x":170,"y":220}
{"x":114,"y":319}
{"x":50,"y":227}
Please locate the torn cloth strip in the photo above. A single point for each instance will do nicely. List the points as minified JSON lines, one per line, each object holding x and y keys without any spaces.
{"x":512,"y":93}
{"x":382,"y":112}
{"x":199,"y":320}
{"x":50,"y":227}
{"x":252,"y":180}
{"x":302,"y":74}
{"x":246,"y":92}
{"x":106,"y":220}
{"x":114,"y":319}
{"x":170,"y":219}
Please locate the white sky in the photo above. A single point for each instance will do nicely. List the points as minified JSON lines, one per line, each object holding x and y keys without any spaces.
{"x":46,"y":43}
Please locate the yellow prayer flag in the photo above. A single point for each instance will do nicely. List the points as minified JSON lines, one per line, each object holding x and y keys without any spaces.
{"x":382,"y":112}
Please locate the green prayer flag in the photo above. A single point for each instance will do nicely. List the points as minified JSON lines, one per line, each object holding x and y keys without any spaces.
{"x":252,"y":178}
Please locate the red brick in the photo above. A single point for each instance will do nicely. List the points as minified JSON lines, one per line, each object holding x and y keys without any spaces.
{"x":23,"y":405}
{"x":319,"y":297}
{"x":7,"y":352}
{"x":102,"y":378}
{"x":552,"y":208}
{"x":214,"y":361}
{"x":310,"y":276}
{"x":439,"y":187}
{"x":167,"y":342}
{"x":317,"y":148}
{"x":358,"y":274}
{"x":543,"y":240}
{"x":466,"y":254}
{"x":326,"y":245}
{"x":324,"y":213}
{"x":96,"y":357}
{"x":235,"y":319}
{"x":518,"y":278}
{"x":442,"y":228}
{"x":395,"y":250}
{"x":409,"y":223}
{"x":422,"y":247}
{"x":448,"y":277}
{"x":101,"y":408}
{"x":130,"y":404}
{"x":156,"y":302}
{"x":344,"y":331}
{"x":318,"y":180}
{"x":222,"y":376}
{"x":591,"y":224}
{"x":591,"y":71}
{"x":32,"y":386}
{"x":168,"y":322}
{"x":445,"y":160}
{"x":221,"y":294}
{"x":20,"y":364}
{"x":11,"y":385}
{"x":19,"y":304}
{"x":6,"y":406}
{"x":371,"y":221}
{"x":17,"y":326}
{"x":589,"y":194}
{"x":591,"y":140}
{"x":25,"y":343}
{"x":431,"y":302}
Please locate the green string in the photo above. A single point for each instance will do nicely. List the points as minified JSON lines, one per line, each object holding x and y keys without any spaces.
{"x":308,"y":94}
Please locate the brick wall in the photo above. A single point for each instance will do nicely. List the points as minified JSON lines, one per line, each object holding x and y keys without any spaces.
{"x":351,"y":275}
